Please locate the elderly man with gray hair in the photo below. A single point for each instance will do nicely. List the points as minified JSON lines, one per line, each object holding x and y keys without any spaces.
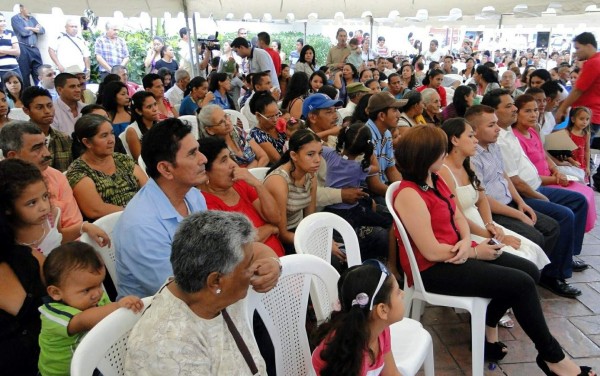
{"x":508,"y":83}
{"x":175,"y":94}
{"x":69,"y":50}
{"x":188,"y":328}
{"x":110,"y":50}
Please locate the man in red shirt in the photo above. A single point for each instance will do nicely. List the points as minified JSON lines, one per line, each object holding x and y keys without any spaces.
{"x":264,"y":42}
{"x":587,"y":88}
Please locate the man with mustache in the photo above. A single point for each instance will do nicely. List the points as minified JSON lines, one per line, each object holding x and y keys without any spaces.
{"x":25,"y":140}
{"x":37,"y":103}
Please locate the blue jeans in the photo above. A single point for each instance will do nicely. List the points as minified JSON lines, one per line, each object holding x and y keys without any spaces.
{"x":569,"y":209}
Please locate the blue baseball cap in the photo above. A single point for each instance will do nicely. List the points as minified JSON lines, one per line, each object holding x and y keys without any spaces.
{"x":318,"y":101}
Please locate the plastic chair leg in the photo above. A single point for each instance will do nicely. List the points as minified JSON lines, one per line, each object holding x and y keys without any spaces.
{"x":428,"y":363}
{"x":416,"y":309}
{"x":477,"y":340}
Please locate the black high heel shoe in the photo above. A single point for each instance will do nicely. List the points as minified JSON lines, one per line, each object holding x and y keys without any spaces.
{"x":494,"y":352}
{"x":544,"y":367}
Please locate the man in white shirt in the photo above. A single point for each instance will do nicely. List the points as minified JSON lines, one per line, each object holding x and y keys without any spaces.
{"x":46,"y":76}
{"x":433,"y":53}
{"x":175,"y":94}
{"x":258,"y":60}
{"x":70,"y":49}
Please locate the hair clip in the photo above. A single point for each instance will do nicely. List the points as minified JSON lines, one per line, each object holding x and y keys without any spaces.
{"x":362,"y":300}
{"x":293,"y":120}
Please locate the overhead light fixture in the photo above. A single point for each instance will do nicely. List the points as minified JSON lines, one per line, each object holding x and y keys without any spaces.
{"x":247,"y":17}
{"x":290,"y":18}
{"x":339,"y":17}
{"x":229,"y":16}
{"x":267,"y":17}
{"x":394,"y":16}
{"x":367,"y":14}
{"x":519,"y":8}
{"x":313,"y":17}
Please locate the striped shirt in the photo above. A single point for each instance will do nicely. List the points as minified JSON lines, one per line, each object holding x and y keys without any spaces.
{"x":298,"y":198}
{"x":8,"y":39}
{"x":383,"y":149}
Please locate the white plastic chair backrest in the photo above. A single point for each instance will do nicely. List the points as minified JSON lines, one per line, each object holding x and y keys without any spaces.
{"x":104,"y":346}
{"x":414,"y":268}
{"x":283,"y":310}
{"x":142,"y":164}
{"x":235,"y":115}
{"x":314,"y":236}
{"x":259,"y":172}
{"x":18,"y":114}
{"x":193,"y":122}
{"x":106,"y":223}
{"x":123,"y":138}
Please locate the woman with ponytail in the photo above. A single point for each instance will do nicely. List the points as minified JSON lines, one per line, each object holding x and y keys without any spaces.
{"x":356,"y":341}
{"x":293,"y":183}
{"x":196,"y":96}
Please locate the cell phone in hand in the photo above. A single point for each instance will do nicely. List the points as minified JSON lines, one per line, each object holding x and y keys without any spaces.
{"x":493,"y":242}
{"x":342,"y":247}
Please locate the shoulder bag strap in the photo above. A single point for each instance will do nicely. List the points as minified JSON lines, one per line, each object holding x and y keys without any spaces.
{"x":239,"y":341}
{"x":72,"y":41}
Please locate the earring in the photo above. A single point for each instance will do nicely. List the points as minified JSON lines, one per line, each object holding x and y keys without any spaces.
{"x":218,"y":291}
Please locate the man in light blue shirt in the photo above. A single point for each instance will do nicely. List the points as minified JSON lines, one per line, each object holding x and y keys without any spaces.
{"x":144,"y":233}
{"x":383,"y":116}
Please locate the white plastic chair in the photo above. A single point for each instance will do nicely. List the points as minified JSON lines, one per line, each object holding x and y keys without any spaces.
{"x":283,"y":310}
{"x":142,"y":164}
{"x":259,"y":172}
{"x":417,"y":293}
{"x":123,"y":138}
{"x":106,"y":223}
{"x":193,"y":122}
{"x":104,"y":346}
{"x":412,"y":345}
{"x":235,"y":115}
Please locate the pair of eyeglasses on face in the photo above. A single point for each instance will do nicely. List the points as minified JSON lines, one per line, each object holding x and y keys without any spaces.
{"x":223,"y":121}
{"x":271,"y":118}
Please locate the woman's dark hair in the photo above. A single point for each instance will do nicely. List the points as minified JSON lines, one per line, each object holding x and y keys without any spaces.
{"x":69,"y":257}
{"x":413,"y":79}
{"x":525,"y":74}
{"x":415,"y":59}
{"x":573,"y":114}
{"x":418,"y":148}
{"x":361,"y":73}
{"x":211,"y":146}
{"x":107,"y":79}
{"x":88,"y":109}
{"x":109,"y":95}
{"x":520,"y":60}
{"x":283,"y":66}
{"x":297,"y":141}
{"x":163,"y":49}
{"x":354,"y":70}
{"x":278,"y":47}
{"x":324,"y":69}
{"x":196,"y":82}
{"x":414,"y":97}
{"x":298,"y":88}
{"x":303,"y":53}
{"x":137,"y":104}
{"x":460,"y":104}
{"x":430,"y":75}
{"x":356,"y":140}
{"x":487,"y":74}
{"x":15,"y":175}
{"x":522,"y":100}
{"x":7,"y":76}
{"x":163,"y":72}
{"x":260,"y":100}
{"x":455,"y":127}
{"x":85,"y":127}
{"x":213,"y":84}
{"x":347,"y":334}
{"x":360,"y":113}
{"x":319,"y":73}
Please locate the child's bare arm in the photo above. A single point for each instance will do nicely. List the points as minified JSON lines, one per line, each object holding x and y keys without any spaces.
{"x":86,"y":320}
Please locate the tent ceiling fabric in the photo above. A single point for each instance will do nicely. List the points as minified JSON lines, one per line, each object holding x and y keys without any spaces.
{"x":280,"y":8}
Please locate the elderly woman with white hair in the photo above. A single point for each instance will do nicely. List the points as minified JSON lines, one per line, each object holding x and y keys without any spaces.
{"x":432,"y":107}
{"x":246,"y":152}
{"x":190,"y":326}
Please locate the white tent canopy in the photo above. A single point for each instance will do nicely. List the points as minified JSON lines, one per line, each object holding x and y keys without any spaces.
{"x":280,"y":9}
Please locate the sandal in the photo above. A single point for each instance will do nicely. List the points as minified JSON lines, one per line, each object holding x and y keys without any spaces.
{"x":506,"y":321}
{"x":585,"y":371}
{"x":494,"y":352}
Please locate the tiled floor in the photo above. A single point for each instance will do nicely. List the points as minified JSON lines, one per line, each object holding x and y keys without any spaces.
{"x":574,"y":322}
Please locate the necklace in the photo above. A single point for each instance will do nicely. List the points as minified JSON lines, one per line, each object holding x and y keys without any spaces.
{"x":35,"y":241}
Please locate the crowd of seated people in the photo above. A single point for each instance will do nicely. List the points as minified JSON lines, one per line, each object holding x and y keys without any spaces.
{"x":469,"y":153}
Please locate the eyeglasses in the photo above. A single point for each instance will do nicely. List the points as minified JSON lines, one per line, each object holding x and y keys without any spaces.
{"x":223,"y":121}
{"x":384,"y":274}
{"x":271,"y":118}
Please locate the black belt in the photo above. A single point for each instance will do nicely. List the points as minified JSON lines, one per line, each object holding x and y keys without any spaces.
{"x":28,"y":45}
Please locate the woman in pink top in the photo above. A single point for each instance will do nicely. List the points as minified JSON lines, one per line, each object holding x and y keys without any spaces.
{"x":356,"y":341}
{"x":524,"y":130}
